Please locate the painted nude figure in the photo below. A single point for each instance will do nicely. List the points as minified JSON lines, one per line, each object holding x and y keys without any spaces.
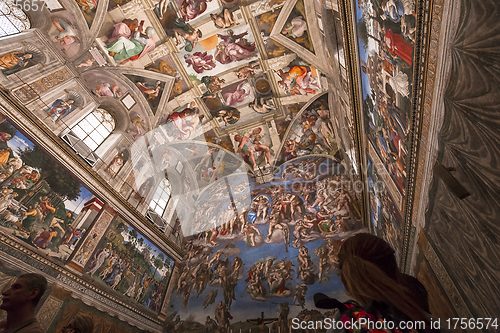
{"x":247,"y":148}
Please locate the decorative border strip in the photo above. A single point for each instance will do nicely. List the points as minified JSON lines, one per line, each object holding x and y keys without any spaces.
{"x":351,"y":56}
{"x":423,"y":8}
{"x":48,"y":312}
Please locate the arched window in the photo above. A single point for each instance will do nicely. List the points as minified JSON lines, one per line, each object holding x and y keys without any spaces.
{"x":94,"y":128}
{"x":161,"y":197}
{"x":12,"y":18}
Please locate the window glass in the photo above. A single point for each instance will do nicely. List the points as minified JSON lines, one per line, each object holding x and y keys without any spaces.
{"x":12,"y":19}
{"x":161,"y":197}
{"x":94,"y":128}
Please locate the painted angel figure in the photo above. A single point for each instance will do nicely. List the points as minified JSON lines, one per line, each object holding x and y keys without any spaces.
{"x":185,"y":32}
{"x":223,"y":20}
{"x":191,"y":9}
{"x":67,"y":35}
{"x":87,"y":63}
{"x":262,"y":105}
{"x":186,"y":120}
{"x":213,"y":84}
{"x":296,"y":28}
{"x":241,"y":95}
{"x":107,"y":89}
{"x":246,"y":72}
{"x":229,"y":116}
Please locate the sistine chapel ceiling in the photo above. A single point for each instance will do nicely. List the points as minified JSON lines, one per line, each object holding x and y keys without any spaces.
{"x":236,"y":104}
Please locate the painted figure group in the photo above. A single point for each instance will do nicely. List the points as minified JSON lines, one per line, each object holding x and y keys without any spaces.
{"x":129,"y":278}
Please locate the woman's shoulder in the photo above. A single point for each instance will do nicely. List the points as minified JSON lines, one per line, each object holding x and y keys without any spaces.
{"x":373,"y":317}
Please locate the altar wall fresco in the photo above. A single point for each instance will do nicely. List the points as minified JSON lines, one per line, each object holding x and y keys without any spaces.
{"x":269,"y":244}
{"x":270,"y":254}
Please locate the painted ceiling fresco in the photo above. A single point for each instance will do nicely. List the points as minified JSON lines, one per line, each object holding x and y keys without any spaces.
{"x":185,"y":70}
{"x":230,"y":103}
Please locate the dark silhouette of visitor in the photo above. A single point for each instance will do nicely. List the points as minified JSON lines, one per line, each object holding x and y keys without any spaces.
{"x":20,"y":301}
{"x":368,"y":269}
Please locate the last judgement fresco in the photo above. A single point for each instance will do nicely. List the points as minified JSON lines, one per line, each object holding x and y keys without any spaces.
{"x":278,"y":249}
{"x":214,"y":120}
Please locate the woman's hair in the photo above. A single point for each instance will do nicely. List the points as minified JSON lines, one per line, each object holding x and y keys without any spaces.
{"x":369,"y":272}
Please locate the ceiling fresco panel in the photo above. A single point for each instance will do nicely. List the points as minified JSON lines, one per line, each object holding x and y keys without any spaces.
{"x":311,"y":132}
{"x":88,"y":8}
{"x":265,"y":24}
{"x":221,"y":52}
{"x":165,"y":65}
{"x":296,"y":28}
{"x":151,"y":89}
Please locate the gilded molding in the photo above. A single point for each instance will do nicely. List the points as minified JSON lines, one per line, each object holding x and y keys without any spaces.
{"x":423,"y":9}
{"x":349,"y":36}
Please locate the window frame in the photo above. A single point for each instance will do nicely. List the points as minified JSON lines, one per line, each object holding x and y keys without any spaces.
{"x":160,"y":196}
{"x":94,"y":129}
{"x":10,"y":4}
